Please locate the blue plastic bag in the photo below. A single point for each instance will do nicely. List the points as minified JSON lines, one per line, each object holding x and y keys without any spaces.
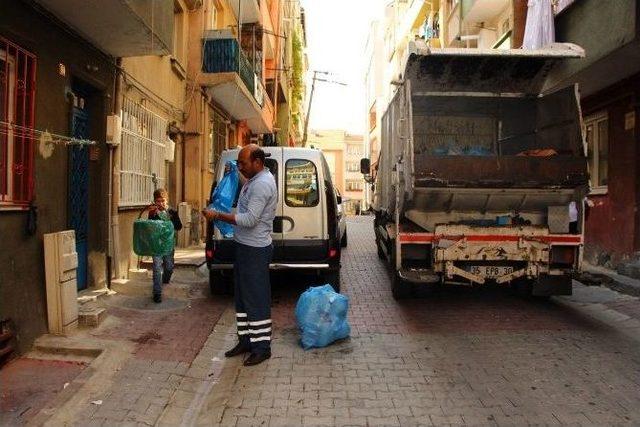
{"x":223,"y":197}
{"x":321,"y":314}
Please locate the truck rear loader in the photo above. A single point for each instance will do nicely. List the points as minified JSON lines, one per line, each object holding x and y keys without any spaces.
{"x":481,"y":176}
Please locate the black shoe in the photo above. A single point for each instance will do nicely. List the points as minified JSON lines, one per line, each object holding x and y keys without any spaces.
{"x":237,"y":350}
{"x":157,"y":298}
{"x":257,"y":358}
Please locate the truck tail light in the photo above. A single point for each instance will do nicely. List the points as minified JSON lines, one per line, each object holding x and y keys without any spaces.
{"x":565,"y":255}
{"x":209,"y":253}
{"x":333,"y":252}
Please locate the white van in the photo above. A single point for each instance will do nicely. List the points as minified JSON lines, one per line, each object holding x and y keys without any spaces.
{"x":306,"y":230}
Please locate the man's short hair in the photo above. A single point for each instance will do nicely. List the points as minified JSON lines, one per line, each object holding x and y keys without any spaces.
{"x":160,"y":192}
{"x":257,"y":154}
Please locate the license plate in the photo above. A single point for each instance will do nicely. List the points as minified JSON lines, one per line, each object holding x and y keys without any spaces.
{"x":490,"y":271}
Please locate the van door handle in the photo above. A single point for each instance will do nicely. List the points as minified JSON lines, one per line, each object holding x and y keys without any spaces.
{"x":279,"y":224}
{"x":287,"y":224}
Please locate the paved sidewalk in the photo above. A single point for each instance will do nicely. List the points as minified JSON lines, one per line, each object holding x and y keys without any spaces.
{"x":613,"y":280}
{"x":145,"y":350}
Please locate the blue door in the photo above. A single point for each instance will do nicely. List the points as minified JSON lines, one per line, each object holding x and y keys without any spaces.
{"x":79,"y":191}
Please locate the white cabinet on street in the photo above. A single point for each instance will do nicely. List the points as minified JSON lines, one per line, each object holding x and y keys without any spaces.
{"x":61,"y":262}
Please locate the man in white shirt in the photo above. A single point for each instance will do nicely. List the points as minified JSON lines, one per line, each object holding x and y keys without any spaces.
{"x":253,"y":251}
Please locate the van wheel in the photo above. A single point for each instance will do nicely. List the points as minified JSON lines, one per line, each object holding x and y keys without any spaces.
{"x":219,"y":283}
{"x":333,"y":278}
{"x":399,"y":288}
{"x":381,"y":254}
{"x":343,"y":241}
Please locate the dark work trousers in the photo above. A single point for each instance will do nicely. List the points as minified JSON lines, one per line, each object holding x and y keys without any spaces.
{"x":253,"y":296}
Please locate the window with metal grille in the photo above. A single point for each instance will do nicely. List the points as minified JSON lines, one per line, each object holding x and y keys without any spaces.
{"x":142,"y":161}
{"x":17,"y":113}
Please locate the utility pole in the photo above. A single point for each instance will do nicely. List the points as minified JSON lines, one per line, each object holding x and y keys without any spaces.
{"x":313,"y":87}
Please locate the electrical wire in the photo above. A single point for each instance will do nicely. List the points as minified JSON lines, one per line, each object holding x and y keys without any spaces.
{"x":23,"y":132}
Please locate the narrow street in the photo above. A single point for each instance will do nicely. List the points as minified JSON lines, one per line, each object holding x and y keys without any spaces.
{"x":462,"y":356}
{"x":459,"y":356}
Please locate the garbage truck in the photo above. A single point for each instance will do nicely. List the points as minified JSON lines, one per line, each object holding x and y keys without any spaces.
{"x":481,"y":175}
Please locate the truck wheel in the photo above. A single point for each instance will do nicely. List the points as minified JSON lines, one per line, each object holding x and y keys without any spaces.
{"x":220,"y":284}
{"x":399,"y":288}
{"x":333,"y":278}
{"x":343,"y":241}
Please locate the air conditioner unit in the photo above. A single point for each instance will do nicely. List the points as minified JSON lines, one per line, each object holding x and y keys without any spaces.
{"x":169,"y":150}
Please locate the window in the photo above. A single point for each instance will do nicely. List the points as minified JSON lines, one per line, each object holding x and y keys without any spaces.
{"x":215,"y":15}
{"x":353,"y":149}
{"x":178,"y":32}
{"x":597,"y":127}
{"x":301,"y":186}
{"x":17,"y":106}
{"x":353,"y":167}
{"x":355,"y":185}
{"x":142,"y":152}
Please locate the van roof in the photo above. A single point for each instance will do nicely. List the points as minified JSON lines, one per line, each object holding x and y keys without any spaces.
{"x":308,"y":153}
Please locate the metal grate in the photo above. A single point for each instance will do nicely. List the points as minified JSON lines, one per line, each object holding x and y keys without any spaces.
{"x":17,"y":111}
{"x":142,"y":163}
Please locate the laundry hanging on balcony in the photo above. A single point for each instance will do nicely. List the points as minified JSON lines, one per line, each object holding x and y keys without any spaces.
{"x":539,"y":31}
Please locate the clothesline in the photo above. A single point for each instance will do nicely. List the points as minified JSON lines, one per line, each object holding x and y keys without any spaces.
{"x":17,"y":131}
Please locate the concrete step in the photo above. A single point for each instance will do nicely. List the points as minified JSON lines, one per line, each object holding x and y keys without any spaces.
{"x":90,"y":311}
{"x":139,"y":274}
{"x":91,"y":316}
{"x":59,"y":345}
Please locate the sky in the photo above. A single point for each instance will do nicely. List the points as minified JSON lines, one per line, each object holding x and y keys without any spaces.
{"x":337,"y":32}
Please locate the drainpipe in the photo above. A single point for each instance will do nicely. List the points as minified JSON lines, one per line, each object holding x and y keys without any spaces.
{"x":114,"y":154}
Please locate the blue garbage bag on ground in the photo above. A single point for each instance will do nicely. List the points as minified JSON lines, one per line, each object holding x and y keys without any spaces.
{"x":321,"y":314}
{"x":224,"y":196}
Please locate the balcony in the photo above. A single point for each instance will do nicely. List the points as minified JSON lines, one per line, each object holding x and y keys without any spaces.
{"x":230,"y":80}
{"x":119,"y":27}
{"x":248,"y":11}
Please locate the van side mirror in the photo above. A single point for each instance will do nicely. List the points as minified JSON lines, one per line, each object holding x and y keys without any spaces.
{"x":339,"y":199}
{"x":365,"y":166}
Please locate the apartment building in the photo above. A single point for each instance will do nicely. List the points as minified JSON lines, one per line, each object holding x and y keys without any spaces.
{"x":343,"y":152}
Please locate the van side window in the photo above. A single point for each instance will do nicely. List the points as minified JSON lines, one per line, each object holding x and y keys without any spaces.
{"x":301,"y":183}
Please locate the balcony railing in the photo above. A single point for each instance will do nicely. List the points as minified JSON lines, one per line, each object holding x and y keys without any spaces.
{"x":225,"y":56}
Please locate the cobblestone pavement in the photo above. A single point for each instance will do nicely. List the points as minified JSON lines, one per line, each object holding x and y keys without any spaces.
{"x":21,"y":397}
{"x":459,"y":357}
{"x":148,"y":349}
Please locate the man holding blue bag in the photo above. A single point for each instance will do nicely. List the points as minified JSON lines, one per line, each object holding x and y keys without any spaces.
{"x":253,"y":251}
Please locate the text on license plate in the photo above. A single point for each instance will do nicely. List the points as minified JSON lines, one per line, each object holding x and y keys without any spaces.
{"x":490,"y":271}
